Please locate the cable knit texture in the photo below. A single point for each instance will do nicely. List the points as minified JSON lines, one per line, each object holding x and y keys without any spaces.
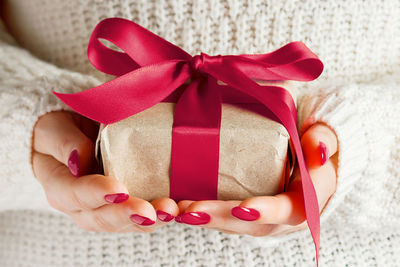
{"x":357,"y":96}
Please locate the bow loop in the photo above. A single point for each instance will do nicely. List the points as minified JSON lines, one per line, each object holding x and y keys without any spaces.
{"x":141,"y":47}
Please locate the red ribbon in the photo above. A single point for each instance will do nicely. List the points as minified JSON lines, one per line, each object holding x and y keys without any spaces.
{"x":153,"y":70}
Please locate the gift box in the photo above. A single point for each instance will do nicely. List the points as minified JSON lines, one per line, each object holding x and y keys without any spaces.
{"x":253,"y":154}
{"x":210,"y":141}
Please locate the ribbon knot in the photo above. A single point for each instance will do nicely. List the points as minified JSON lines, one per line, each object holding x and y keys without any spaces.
{"x":200,"y":62}
{"x":153,"y":70}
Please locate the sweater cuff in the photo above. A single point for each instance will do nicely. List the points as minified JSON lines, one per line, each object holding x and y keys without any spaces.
{"x":67,"y":83}
{"x":337,"y":107}
{"x":26,"y":102}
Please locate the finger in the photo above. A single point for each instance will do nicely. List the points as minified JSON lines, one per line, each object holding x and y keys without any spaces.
{"x":319,"y":143}
{"x":55,"y":180}
{"x":166,"y":209}
{"x":118,"y":218}
{"x":67,"y":193}
{"x":58,"y":135}
{"x":220,"y":218}
{"x":288,"y":207}
{"x":95,"y":190}
{"x":208,"y":213}
{"x":183,"y":204}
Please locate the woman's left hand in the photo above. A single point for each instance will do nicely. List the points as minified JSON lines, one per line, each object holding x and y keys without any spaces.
{"x":273,"y":215}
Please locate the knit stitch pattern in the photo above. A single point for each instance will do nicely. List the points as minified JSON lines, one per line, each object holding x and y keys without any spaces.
{"x":357,"y":96}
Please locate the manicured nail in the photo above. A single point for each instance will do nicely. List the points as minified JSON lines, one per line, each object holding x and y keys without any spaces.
{"x":178,"y":219}
{"x":246,"y":214}
{"x":141,"y":220}
{"x":74,"y":163}
{"x":193,"y":218}
{"x":323,"y":151}
{"x":116,"y":198}
{"x":164,"y":216}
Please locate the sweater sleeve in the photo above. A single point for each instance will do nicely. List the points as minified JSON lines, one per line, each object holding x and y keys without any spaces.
{"x":25,"y":94}
{"x":365,"y":118}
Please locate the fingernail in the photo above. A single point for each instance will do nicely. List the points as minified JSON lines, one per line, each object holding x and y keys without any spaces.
{"x":74,"y":163}
{"x":323,"y":151}
{"x":178,"y":219}
{"x":193,"y":218}
{"x":116,"y":198}
{"x":246,"y":214}
{"x":164,"y":216}
{"x":141,"y":220}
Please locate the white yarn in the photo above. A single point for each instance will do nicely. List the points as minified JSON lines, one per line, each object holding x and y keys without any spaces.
{"x":344,"y":34}
{"x":357,"y":96}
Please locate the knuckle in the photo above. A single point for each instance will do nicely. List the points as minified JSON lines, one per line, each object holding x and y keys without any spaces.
{"x":261,"y":231}
{"x":102,"y":223}
{"x":86,"y":185}
{"x":82,"y":223}
{"x":58,"y":170}
{"x":61,"y":148}
{"x":90,"y":181}
{"x":228,"y":232}
{"x":147,"y":229}
{"x":124,"y":228}
{"x":46,"y":178}
{"x":55,"y":204}
{"x":77,"y":202}
{"x":197,"y":206}
{"x":86,"y":227}
{"x":107,"y":184}
{"x":98,"y":183}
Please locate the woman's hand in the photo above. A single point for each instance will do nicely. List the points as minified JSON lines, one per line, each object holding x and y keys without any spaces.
{"x":273,"y":215}
{"x":63,"y":160}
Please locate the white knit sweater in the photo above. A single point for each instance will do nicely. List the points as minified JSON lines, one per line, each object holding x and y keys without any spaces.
{"x":357,"y":95}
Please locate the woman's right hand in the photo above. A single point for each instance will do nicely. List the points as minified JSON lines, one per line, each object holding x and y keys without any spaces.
{"x":63,"y":162}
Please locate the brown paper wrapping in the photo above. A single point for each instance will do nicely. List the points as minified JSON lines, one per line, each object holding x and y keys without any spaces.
{"x":252,"y":158}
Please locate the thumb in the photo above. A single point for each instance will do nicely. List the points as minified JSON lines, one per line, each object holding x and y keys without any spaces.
{"x":319,"y":143}
{"x":57,"y":134}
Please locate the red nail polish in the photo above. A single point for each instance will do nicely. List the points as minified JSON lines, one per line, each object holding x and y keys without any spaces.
{"x":74,"y":163}
{"x":178,"y":219}
{"x":164,"y":216}
{"x":323,"y":152}
{"x":246,"y":214}
{"x":116,"y":198}
{"x":194,"y":218}
{"x":141,"y":220}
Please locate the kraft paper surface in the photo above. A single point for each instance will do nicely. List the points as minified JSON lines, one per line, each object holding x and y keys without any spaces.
{"x":252,"y":159}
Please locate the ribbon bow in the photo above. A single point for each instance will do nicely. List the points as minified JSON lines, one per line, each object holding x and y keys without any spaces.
{"x":153,"y":70}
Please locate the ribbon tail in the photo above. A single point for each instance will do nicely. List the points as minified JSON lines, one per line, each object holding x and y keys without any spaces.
{"x":274,"y":100}
{"x":130,"y":93}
